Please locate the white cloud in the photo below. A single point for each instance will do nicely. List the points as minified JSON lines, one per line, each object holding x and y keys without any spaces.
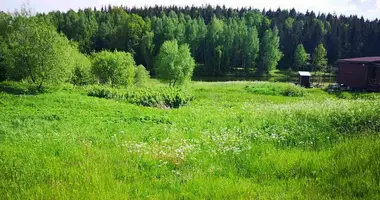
{"x":348,"y":7}
{"x":301,"y":5}
{"x":352,"y":7}
{"x":375,"y":11}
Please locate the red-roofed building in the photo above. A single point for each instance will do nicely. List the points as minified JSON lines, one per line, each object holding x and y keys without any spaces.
{"x":360,"y":73}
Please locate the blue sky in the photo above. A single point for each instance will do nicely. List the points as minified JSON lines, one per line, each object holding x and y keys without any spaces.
{"x":367,"y":8}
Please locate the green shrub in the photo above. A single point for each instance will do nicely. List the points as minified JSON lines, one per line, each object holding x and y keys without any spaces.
{"x":294,"y":91}
{"x":358,"y":95}
{"x":142,"y":76}
{"x":368,"y":96}
{"x":102,"y":92}
{"x":82,"y":71}
{"x":17,"y":88}
{"x":161,"y":97}
{"x":114,"y":68}
{"x":345,"y":95}
{"x":276,"y":89}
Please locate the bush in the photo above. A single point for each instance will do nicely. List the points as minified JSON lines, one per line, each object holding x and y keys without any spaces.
{"x":345,"y":95}
{"x":357,"y":95}
{"x":114,"y":68}
{"x":294,"y":91}
{"x":102,"y":92}
{"x":17,"y":88}
{"x":162,"y":97}
{"x":142,"y":76}
{"x":276,"y":89}
{"x":82,"y":71}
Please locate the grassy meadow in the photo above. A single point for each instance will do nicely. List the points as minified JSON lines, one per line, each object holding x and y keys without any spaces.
{"x":234,"y":140}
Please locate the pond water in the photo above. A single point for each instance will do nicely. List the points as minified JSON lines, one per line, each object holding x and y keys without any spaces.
{"x":293,"y":79}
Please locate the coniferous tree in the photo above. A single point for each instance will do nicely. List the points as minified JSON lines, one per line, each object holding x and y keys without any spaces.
{"x":224,"y":49}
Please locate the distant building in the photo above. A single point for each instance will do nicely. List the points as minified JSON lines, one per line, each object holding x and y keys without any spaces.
{"x":304,"y":79}
{"x":360,"y":73}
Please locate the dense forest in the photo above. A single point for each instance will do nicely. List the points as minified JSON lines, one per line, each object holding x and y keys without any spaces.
{"x":221,"y":40}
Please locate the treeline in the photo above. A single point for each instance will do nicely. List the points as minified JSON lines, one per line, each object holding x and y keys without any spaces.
{"x":218,"y":46}
{"x":32,"y":50}
{"x":221,"y":40}
{"x":343,"y":36}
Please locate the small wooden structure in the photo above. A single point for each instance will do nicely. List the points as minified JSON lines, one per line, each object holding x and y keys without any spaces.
{"x":360,"y":73}
{"x":304,"y":79}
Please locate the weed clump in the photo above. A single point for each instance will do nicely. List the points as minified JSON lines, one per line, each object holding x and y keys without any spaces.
{"x":162,"y":97}
{"x":19,"y":88}
{"x":357,"y":95}
{"x":276,"y":89}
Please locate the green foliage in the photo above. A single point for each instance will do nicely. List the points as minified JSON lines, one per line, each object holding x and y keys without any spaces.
{"x":163,"y":97}
{"x":3,"y":67}
{"x":174,"y":63}
{"x":37,"y":53}
{"x":345,"y":95}
{"x":116,"y":68}
{"x":357,"y":95}
{"x":300,"y":58}
{"x":220,"y":38}
{"x":142,"y":76}
{"x":82,"y":71}
{"x":276,"y":89}
{"x":214,"y":46}
{"x":270,"y":53}
{"x":102,"y":92}
{"x":319,"y":58}
{"x":17,"y":88}
{"x":251,"y":45}
{"x":147,"y":47}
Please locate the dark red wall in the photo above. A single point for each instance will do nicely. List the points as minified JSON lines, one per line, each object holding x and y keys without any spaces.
{"x":352,"y":74}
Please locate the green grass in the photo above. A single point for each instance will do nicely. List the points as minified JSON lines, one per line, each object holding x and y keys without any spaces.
{"x":228,"y":143}
{"x":284,"y":89}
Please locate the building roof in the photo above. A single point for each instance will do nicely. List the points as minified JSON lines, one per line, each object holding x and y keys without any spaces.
{"x":361,"y":60}
{"x":303,"y":73}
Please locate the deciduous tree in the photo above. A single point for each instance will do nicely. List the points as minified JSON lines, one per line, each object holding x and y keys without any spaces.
{"x":300,"y":58}
{"x":270,"y":53}
{"x":319,"y":58}
{"x":37,"y":53}
{"x":174,"y":63}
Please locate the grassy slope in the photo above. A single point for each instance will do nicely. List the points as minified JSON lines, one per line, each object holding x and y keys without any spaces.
{"x":228,"y":144}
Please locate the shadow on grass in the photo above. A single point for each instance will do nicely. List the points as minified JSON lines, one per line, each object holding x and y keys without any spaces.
{"x":19,"y":88}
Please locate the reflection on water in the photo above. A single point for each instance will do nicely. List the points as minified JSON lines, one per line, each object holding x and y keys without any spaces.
{"x":293,"y":79}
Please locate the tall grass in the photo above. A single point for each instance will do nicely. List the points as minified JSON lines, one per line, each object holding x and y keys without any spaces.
{"x":167,"y":97}
{"x":229,"y":143}
{"x":284,"y":89}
